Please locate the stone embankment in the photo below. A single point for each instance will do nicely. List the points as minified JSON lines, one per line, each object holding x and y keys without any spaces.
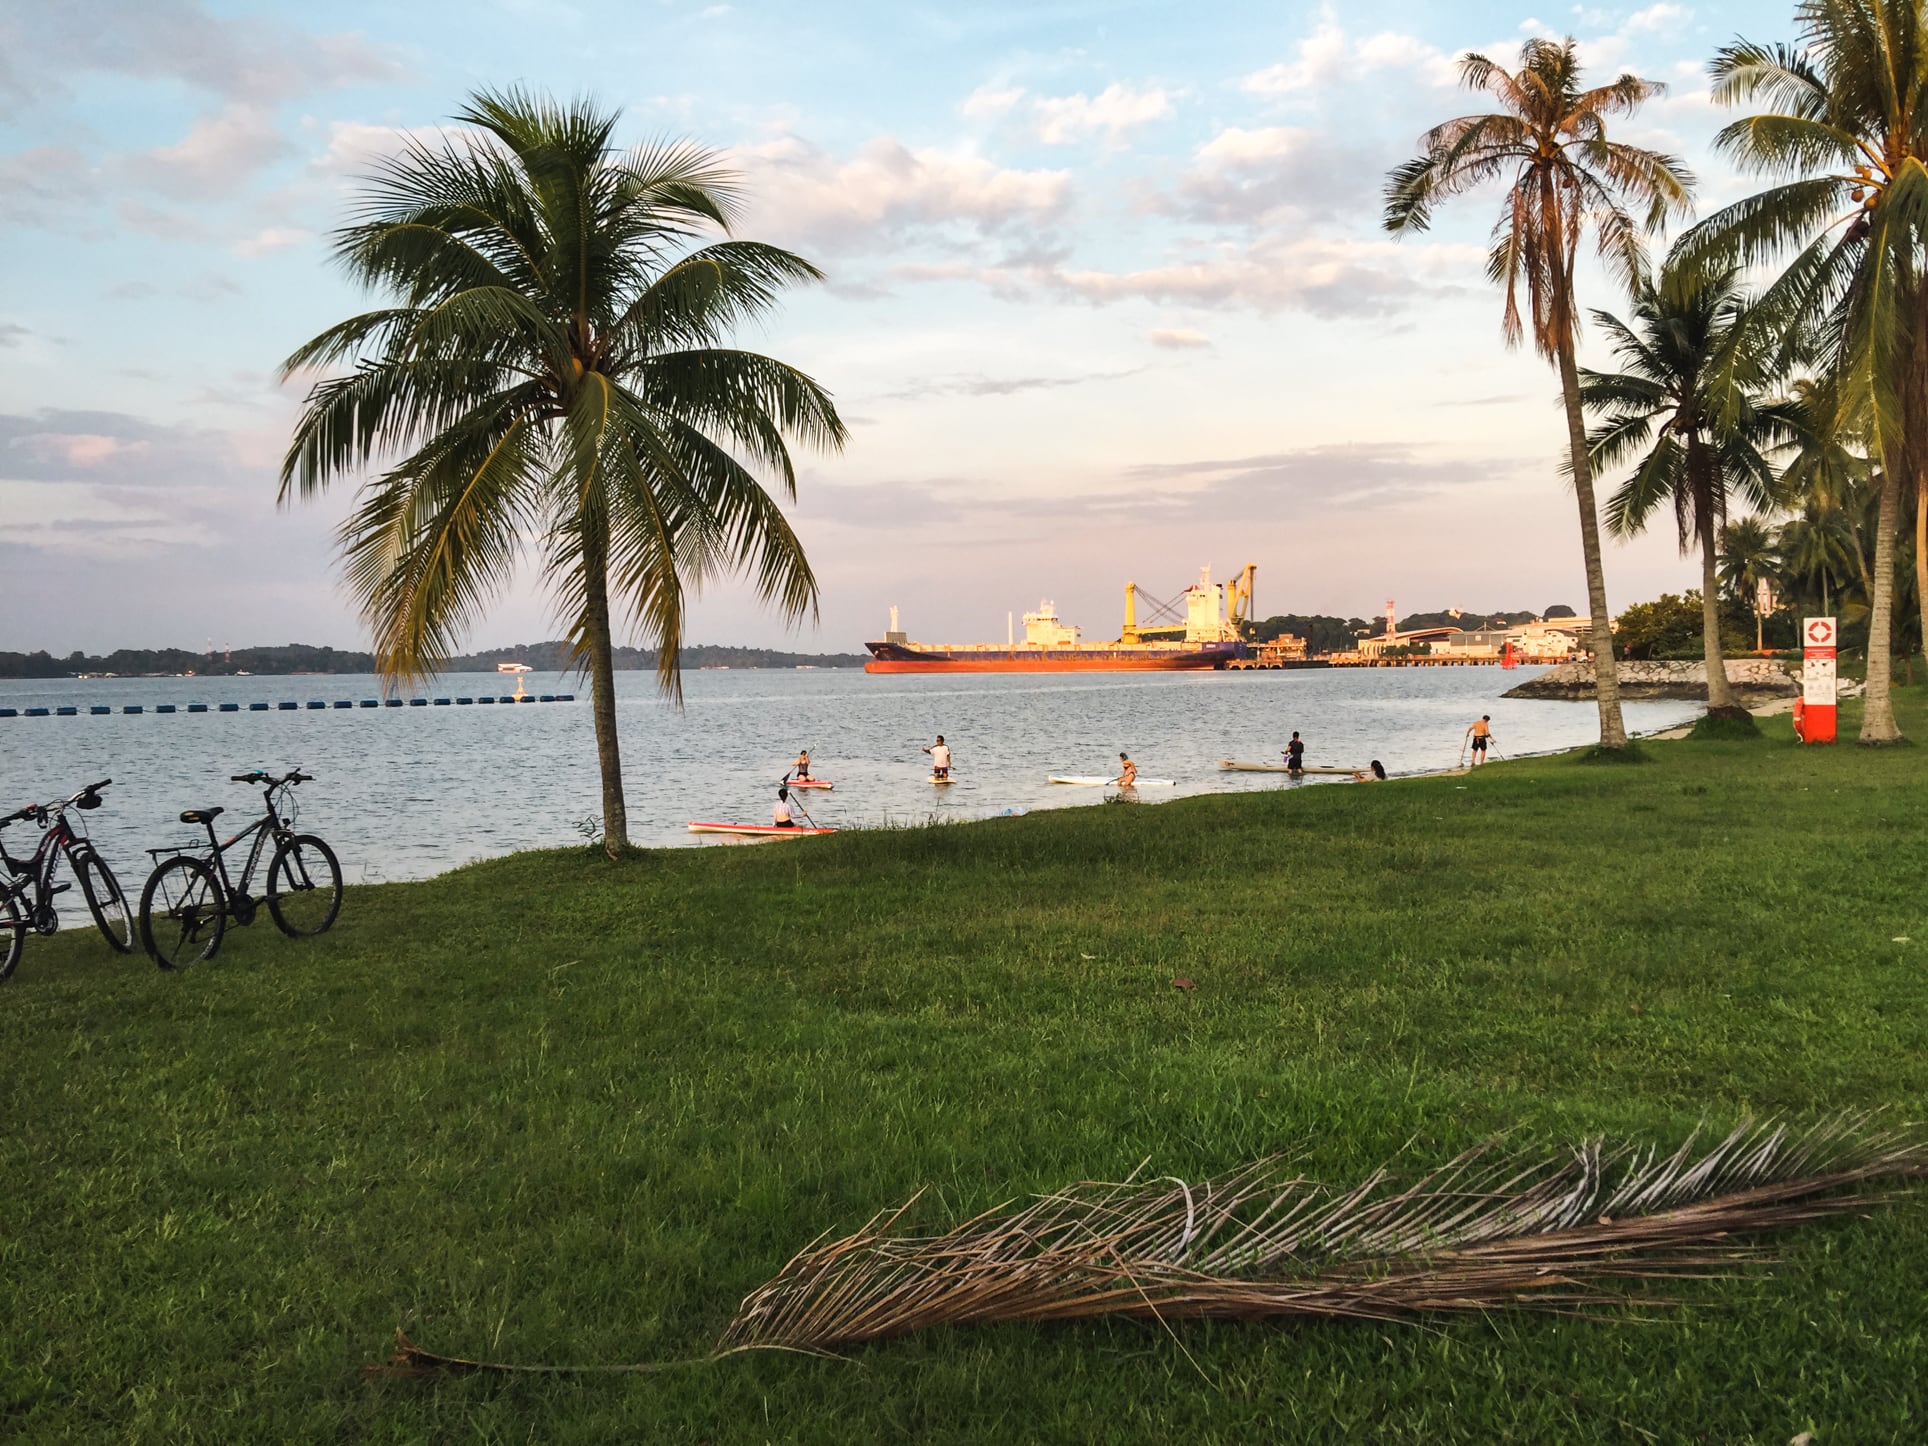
{"x":1753,"y":679}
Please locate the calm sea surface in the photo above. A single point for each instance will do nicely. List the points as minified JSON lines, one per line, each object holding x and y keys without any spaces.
{"x":405,"y":793}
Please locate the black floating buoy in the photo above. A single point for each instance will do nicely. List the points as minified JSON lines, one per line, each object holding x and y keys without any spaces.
{"x":67,"y":712}
{"x":36,"y":712}
{"x":565,"y":697}
{"x":287,"y":707}
{"x":197,"y":707}
{"x":257,"y":707}
{"x":100,"y":710}
{"x":230,"y":707}
{"x":441,"y":702}
{"x":463,"y":702}
{"x":315,"y":705}
{"x":548,"y":698}
{"x":343,"y":703}
{"x":133,"y":708}
{"x":371,"y":702}
{"x":9,"y":712}
{"x":391,"y":702}
{"x":164,"y":708}
{"x":418,"y":702}
{"x":489,"y":701}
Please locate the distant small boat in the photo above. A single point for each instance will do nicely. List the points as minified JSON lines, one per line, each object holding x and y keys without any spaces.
{"x":513,"y":668}
{"x":1092,"y":780}
{"x":757,"y":830}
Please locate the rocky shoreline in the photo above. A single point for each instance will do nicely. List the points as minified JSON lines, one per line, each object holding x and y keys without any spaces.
{"x":1752,"y":679}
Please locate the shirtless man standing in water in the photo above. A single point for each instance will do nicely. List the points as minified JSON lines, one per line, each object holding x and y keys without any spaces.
{"x":1481,"y":732}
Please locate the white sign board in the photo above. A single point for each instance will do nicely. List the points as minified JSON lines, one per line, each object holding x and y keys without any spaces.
{"x":1817,"y":682}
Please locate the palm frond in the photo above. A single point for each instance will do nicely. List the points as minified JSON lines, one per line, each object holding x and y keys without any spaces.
{"x":1491,"y":1229}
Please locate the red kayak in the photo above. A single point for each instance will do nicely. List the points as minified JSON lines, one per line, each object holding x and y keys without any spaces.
{"x":757,"y":830}
{"x":810,"y":783}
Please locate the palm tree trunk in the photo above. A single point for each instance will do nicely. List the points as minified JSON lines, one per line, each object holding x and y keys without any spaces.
{"x":602,"y":687}
{"x":1606,"y":671}
{"x":1719,"y":694}
{"x":1921,"y":555}
{"x":1878,"y":711}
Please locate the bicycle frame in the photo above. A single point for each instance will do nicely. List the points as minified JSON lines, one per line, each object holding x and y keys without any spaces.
{"x":32,"y":878}
{"x":240,"y":900}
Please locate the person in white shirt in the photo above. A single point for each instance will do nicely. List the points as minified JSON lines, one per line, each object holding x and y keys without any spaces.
{"x":940,"y":758}
{"x":783,"y":814}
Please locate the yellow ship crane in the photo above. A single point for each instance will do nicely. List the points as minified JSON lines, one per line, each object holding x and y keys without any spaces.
{"x":1227,"y":608}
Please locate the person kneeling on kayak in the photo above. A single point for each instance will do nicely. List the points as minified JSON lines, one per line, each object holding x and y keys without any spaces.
{"x":783,"y":815}
{"x":802,"y":766}
{"x":1128,"y":774}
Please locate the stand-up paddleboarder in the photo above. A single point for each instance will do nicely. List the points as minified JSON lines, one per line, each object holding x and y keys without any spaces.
{"x":1480,"y":730}
{"x":940,"y":753}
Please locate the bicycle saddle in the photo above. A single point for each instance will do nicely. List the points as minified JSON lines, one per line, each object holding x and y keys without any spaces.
{"x":202,"y":815}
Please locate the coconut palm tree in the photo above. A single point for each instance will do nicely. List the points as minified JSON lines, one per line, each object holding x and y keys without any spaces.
{"x":1548,"y":142}
{"x":551,"y":377}
{"x":1845,"y":130}
{"x":1749,"y":557}
{"x":1684,"y":413}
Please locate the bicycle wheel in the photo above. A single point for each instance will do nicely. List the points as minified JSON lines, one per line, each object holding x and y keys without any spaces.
{"x":13,"y":935}
{"x":304,"y":887}
{"x":105,"y":901}
{"x":183,"y":915}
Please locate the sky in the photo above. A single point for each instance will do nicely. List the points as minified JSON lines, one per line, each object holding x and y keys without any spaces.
{"x":1108,"y":298}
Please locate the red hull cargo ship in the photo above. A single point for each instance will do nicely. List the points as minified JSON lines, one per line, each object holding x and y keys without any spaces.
{"x":1209,"y":637}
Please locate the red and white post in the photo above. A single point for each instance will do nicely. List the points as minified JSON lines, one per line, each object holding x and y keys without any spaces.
{"x":1818,"y":643}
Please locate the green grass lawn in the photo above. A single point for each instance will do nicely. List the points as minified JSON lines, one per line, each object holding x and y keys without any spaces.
{"x":551,"y":1109}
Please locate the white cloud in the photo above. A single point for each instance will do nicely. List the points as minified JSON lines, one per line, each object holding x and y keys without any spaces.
{"x":988,"y":102}
{"x":1321,"y":58}
{"x":1661,"y":17}
{"x":887,"y":188}
{"x":1328,"y":56}
{"x":1255,"y":177}
{"x":1115,"y":111}
{"x":271,"y":238}
{"x":1323,"y":277}
{"x":219,"y":154}
{"x":1178,"y":338}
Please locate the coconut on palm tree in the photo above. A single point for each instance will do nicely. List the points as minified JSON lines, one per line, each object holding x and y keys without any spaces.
{"x":1685,"y":413}
{"x":552,"y":376}
{"x":1750,"y":566}
{"x":1845,"y":129}
{"x":1564,"y":177}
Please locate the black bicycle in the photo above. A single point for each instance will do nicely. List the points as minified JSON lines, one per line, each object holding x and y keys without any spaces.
{"x":190,"y":897}
{"x":27,"y":892}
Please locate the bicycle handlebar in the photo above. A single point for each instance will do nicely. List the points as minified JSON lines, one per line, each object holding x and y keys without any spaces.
{"x":294,"y":775}
{"x":39,"y":811}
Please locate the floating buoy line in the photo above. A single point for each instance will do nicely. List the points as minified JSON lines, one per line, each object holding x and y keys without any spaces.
{"x":312,"y":705}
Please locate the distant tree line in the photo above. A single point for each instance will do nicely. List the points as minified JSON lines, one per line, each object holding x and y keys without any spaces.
{"x":550,"y":657}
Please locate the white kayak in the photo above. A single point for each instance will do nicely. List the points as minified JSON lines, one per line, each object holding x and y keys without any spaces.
{"x":757,"y":830}
{"x":1227,"y":765}
{"x":1092,"y":780}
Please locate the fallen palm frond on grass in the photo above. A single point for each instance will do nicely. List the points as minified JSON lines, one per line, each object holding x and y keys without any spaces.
{"x":1492,"y":1228}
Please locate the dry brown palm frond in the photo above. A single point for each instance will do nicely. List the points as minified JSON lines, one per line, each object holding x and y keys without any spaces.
{"x":1492,"y":1228}
{"x":1489,"y":1229}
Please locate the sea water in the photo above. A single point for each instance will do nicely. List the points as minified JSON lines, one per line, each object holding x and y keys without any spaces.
{"x":409,"y":792}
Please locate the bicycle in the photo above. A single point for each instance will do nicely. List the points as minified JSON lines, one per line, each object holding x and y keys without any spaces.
{"x":189,"y":897}
{"x":30,"y":881}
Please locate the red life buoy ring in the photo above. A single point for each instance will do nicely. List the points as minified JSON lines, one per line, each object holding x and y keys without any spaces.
{"x":1800,"y":712}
